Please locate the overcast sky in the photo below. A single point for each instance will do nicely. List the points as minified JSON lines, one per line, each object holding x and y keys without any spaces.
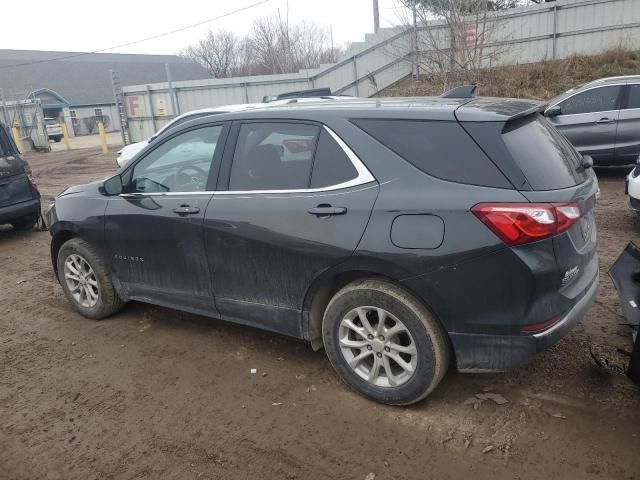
{"x":87,"y":25}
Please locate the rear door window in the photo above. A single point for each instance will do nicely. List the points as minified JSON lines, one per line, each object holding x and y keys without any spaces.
{"x":545,"y":156}
{"x":439,"y":148}
{"x":273,"y":156}
{"x":602,"y":99}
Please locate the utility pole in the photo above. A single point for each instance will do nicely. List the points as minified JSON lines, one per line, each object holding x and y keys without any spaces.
{"x":416,"y":60}
{"x":376,"y":17}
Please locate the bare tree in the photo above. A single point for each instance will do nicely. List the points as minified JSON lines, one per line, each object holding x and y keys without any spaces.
{"x":90,"y":124}
{"x":272,"y":46}
{"x":217,"y":52}
{"x":455,"y":37}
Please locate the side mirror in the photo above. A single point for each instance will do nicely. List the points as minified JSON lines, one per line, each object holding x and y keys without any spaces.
{"x":587,"y":162}
{"x":553,"y":111}
{"x":112,"y":186}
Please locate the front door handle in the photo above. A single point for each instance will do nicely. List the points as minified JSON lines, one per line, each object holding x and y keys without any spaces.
{"x":186,"y":210}
{"x":326,"y":210}
{"x":605,"y":121}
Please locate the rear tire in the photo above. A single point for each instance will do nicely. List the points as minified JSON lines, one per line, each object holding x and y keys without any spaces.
{"x":398,"y":362}
{"x":86,"y":281}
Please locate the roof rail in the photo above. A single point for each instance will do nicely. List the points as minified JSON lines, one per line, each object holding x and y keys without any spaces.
{"x":463,"y":91}
{"x":314,"y":92}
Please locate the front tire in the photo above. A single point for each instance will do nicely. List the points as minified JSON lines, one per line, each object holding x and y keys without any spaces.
{"x":86,"y":281}
{"x":384,"y":343}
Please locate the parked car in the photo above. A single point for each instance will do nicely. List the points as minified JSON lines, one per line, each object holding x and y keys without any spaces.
{"x":54,"y":130}
{"x":397,"y":233}
{"x":19,"y":196}
{"x":129,"y":151}
{"x":601,"y":119}
{"x":632,"y":189}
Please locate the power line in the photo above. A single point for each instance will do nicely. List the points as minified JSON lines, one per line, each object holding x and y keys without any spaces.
{"x":128,"y":44}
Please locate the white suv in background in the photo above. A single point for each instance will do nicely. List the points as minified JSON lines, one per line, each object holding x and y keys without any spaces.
{"x":632,"y":189}
{"x":129,"y":151}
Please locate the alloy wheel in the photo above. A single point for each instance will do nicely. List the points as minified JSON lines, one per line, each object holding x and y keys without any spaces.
{"x":377,"y":346}
{"x":81,"y":281}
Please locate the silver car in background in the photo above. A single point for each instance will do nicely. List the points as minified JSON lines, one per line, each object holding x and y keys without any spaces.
{"x":601,"y":119}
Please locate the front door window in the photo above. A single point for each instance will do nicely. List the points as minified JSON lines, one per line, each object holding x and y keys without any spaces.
{"x":180,"y":164}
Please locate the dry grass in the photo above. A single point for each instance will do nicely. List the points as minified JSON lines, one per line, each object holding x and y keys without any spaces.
{"x":541,"y":80}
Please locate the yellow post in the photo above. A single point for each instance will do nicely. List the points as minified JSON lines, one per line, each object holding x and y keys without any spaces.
{"x":17,"y":139}
{"x":103,"y":138}
{"x":65,"y":136}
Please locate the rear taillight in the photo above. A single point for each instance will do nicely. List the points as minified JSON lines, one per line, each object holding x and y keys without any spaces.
{"x":520,"y":223}
{"x":539,"y":327}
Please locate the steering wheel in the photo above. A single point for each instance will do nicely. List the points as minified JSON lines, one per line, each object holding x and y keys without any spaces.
{"x":190,"y":181}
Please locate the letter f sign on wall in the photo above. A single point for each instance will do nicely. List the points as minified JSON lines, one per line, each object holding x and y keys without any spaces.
{"x":133,"y":106}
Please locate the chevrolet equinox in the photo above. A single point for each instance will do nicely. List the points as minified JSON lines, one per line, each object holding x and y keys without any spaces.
{"x":402,"y":235}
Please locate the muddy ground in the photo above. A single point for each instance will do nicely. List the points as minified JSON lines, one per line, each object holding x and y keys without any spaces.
{"x":155,"y":393}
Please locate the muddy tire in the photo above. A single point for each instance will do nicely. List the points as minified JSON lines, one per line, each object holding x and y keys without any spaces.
{"x":86,"y":281}
{"x":384,"y":343}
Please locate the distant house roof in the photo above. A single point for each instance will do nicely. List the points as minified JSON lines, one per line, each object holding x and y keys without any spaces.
{"x":85,"y":79}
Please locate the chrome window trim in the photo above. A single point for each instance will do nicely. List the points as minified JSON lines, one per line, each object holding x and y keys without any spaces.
{"x":363,"y":177}
{"x":586,"y":90}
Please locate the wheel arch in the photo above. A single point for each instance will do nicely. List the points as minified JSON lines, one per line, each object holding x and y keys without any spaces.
{"x":57,"y":240}
{"x":329,"y":282}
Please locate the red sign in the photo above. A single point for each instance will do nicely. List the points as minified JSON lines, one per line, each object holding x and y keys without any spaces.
{"x":133,"y":105}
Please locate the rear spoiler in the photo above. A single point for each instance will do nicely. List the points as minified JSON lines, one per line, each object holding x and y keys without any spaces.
{"x":530,"y":111}
{"x":496,"y":109}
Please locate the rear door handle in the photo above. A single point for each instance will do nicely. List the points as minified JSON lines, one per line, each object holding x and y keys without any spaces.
{"x":604,"y":121}
{"x":186,"y":210}
{"x":324,"y":210}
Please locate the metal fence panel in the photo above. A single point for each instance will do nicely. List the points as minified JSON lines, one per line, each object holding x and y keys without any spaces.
{"x":523,"y":35}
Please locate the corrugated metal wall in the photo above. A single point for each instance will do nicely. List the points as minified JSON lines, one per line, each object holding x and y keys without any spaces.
{"x":525,"y":35}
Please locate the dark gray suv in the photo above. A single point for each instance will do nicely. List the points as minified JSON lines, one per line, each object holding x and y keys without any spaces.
{"x":601,"y":119}
{"x":400,"y":234}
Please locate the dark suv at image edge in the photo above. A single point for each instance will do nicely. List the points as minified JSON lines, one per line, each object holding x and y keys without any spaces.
{"x":19,"y":195}
{"x":400,"y":234}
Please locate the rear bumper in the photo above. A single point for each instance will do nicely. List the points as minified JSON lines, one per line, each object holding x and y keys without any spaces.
{"x":486,"y":353}
{"x":20,"y":210}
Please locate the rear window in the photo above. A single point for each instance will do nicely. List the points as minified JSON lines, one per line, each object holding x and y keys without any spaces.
{"x":439,"y":148}
{"x":546,"y":158}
